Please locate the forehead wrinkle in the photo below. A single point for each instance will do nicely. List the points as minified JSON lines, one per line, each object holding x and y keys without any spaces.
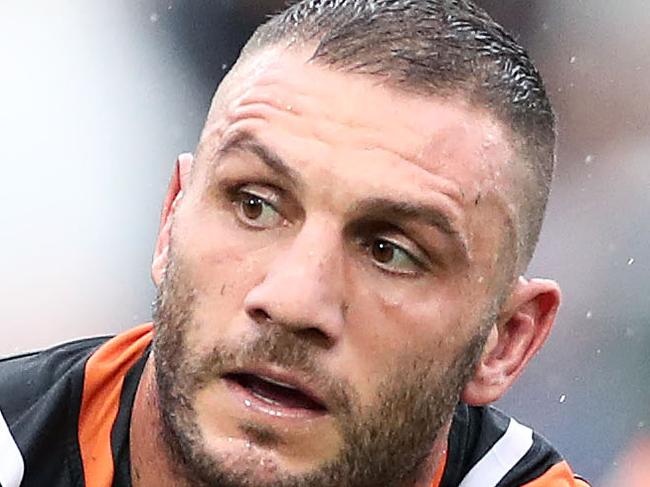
{"x":369,"y":137}
{"x":224,"y":126}
{"x":237,"y":85}
{"x":245,"y":141}
{"x":298,"y":99}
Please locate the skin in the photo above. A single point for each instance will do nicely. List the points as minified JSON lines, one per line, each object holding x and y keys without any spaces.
{"x":308,"y":266}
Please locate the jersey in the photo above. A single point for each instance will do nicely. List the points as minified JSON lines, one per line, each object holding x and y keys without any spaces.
{"x":65,"y":418}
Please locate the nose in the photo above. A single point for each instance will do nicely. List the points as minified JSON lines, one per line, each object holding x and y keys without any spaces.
{"x":303,"y":287}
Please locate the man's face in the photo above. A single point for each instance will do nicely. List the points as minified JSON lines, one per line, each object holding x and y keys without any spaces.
{"x":331,"y":270}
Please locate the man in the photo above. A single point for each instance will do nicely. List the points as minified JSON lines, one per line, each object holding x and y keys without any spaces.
{"x":340,"y":273}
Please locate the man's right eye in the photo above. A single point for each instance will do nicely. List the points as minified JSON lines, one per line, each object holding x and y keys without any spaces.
{"x":255,"y":211}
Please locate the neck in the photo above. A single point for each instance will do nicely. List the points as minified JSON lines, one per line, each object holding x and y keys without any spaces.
{"x":151,"y":464}
{"x":431,"y":474}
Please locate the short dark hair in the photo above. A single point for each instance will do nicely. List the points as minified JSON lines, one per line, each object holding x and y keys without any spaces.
{"x":438,"y":48}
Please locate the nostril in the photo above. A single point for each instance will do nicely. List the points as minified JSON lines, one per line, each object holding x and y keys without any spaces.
{"x":313,"y":334}
{"x":259,"y":315}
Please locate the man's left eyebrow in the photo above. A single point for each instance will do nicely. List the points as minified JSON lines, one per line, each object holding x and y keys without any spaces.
{"x":428,"y":214}
{"x":246,"y":142}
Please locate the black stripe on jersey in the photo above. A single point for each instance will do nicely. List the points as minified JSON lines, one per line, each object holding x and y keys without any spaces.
{"x":474,"y":431}
{"x":120,"y":445}
{"x":40,"y":396}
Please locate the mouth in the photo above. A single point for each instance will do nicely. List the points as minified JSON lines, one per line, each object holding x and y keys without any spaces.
{"x":275,"y":395}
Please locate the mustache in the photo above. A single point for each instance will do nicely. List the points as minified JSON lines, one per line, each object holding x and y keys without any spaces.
{"x":276,"y":346}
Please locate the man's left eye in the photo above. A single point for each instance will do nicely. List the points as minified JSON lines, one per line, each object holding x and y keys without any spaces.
{"x":393,"y":258}
{"x":256,"y":211}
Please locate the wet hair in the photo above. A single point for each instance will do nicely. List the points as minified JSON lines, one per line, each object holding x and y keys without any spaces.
{"x":441,"y":48}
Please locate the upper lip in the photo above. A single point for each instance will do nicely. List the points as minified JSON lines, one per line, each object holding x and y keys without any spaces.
{"x":283,"y":378}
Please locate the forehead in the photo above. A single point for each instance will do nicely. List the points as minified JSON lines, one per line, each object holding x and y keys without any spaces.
{"x":344,"y":110}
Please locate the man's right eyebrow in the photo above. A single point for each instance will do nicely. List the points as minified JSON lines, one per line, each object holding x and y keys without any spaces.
{"x":247,"y":142}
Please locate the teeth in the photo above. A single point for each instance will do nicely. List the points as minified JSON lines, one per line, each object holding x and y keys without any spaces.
{"x":277,"y":383}
{"x":266,"y":399}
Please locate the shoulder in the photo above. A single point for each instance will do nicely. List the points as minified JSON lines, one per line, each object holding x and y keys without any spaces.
{"x":26,"y":378}
{"x":40,"y":396}
{"x":59,"y":409}
{"x":487,"y":448}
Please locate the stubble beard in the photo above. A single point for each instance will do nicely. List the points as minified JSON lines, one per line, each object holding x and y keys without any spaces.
{"x":387,"y":445}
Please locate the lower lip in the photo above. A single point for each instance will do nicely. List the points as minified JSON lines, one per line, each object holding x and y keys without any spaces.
{"x":258,"y":405}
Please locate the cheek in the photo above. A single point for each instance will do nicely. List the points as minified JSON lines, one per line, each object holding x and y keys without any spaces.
{"x":220,"y":266}
{"x":221,"y":254}
{"x":209,"y":256}
{"x":383,"y":331}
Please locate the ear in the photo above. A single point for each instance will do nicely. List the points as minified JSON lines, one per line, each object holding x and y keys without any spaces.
{"x":178,"y":183}
{"x":520,"y":331}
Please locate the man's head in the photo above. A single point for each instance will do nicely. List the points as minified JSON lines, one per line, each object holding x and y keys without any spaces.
{"x":342,"y":266}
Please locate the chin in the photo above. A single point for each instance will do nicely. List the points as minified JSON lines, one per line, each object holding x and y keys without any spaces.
{"x":239,"y":457}
{"x":240,"y":462}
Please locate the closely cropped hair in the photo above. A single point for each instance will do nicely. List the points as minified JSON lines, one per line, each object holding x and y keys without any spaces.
{"x":438,"y":48}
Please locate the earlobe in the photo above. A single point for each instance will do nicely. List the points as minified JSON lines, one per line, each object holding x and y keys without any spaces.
{"x":521,"y":330}
{"x":179,"y":181}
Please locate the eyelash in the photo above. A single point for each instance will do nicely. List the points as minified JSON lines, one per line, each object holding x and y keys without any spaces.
{"x":237,"y":195}
{"x":368,"y":242}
